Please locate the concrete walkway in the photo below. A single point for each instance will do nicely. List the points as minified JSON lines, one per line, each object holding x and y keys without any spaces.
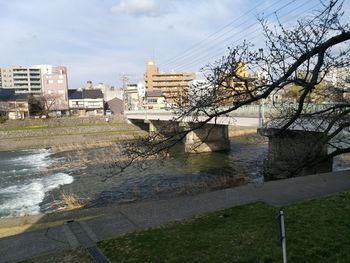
{"x":103,"y":223}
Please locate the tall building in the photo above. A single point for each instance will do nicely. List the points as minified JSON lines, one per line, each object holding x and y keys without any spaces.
{"x":174,"y":86}
{"x":21,"y":79}
{"x":55,"y":87}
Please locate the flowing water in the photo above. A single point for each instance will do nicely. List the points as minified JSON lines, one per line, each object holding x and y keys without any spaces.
{"x":32,"y":181}
{"x":25,"y":180}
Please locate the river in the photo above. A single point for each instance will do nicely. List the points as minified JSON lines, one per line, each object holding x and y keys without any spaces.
{"x":32,"y":181}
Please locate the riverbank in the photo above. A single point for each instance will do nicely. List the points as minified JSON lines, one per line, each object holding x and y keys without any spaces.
{"x":65,"y":137}
{"x":66,"y":134}
{"x":116,"y":220}
{"x":316,"y":231}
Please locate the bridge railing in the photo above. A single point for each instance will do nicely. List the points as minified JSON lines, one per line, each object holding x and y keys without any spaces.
{"x":244,"y":111}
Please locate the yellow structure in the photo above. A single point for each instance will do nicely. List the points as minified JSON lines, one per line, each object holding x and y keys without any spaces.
{"x":234,"y":89}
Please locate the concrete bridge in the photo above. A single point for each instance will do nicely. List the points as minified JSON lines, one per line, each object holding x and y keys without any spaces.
{"x":212,"y":136}
{"x":286,"y":152}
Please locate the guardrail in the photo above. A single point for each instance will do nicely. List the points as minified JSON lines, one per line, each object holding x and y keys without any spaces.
{"x":248,"y":110}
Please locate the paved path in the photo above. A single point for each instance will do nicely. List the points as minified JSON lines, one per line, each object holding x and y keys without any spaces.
{"x":114,"y":220}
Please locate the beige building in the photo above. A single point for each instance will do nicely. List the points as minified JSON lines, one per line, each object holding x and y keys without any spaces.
{"x":21,"y":79}
{"x":174,"y":86}
{"x":55,"y":87}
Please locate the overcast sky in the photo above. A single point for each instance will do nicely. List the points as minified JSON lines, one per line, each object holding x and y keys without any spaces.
{"x":100,"y":40}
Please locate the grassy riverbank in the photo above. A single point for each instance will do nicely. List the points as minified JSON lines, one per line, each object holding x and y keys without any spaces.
{"x":67,"y":136}
{"x":317,"y":231}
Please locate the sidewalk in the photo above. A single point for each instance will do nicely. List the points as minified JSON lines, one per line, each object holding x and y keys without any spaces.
{"x":103,"y":223}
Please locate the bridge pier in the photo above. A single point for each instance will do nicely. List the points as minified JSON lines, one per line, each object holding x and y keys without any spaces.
{"x":166,"y":128}
{"x":295,"y":153}
{"x":208,"y":138}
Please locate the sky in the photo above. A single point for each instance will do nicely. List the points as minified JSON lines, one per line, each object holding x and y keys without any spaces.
{"x":102,"y":40}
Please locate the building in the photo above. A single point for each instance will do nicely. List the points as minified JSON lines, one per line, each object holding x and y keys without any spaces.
{"x":86,"y":102}
{"x":154,"y":100}
{"x":115,"y":106}
{"x":235,"y":87}
{"x":174,"y":86}
{"x":55,"y":87}
{"x":132,"y":99}
{"x":13,"y":106}
{"x":109,"y":92}
{"x":21,"y":79}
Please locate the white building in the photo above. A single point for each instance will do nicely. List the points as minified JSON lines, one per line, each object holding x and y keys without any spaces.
{"x":86,"y":102}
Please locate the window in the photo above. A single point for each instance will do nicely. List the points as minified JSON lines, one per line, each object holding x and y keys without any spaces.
{"x":60,"y":81}
{"x":50,"y":81}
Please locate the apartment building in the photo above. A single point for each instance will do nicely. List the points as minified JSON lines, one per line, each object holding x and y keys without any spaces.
{"x":21,"y":79}
{"x":55,"y":87}
{"x":174,"y":86}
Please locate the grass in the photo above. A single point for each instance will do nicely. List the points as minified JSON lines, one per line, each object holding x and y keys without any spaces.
{"x":317,"y":231}
{"x":72,"y":202}
{"x":126,"y":132}
{"x":32,"y":127}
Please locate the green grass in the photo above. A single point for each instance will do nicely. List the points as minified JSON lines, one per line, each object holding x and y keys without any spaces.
{"x":53,"y":136}
{"x":32,"y":127}
{"x":317,"y":231}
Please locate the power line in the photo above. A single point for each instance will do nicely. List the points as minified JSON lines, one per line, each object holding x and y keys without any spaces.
{"x":210,"y":56}
{"x":243,"y":31}
{"x":213,"y":34}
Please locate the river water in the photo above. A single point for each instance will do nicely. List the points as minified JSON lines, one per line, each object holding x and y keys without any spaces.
{"x":32,"y":181}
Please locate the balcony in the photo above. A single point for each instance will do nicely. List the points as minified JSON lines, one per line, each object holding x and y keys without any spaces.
{"x":19,"y":70}
{"x":15,"y":78}
{"x":20,"y":75}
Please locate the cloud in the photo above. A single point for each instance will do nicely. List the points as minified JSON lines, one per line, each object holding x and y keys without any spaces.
{"x":138,"y":8}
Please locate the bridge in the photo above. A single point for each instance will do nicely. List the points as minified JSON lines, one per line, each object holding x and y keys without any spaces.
{"x":212,"y":136}
{"x":284,"y":154}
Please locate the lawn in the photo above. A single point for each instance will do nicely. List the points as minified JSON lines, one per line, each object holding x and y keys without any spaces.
{"x":317,"y":231}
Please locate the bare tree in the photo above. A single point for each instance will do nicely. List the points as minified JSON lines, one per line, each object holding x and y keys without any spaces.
{"x":302,"y":57}
{"x":43,"y":105}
